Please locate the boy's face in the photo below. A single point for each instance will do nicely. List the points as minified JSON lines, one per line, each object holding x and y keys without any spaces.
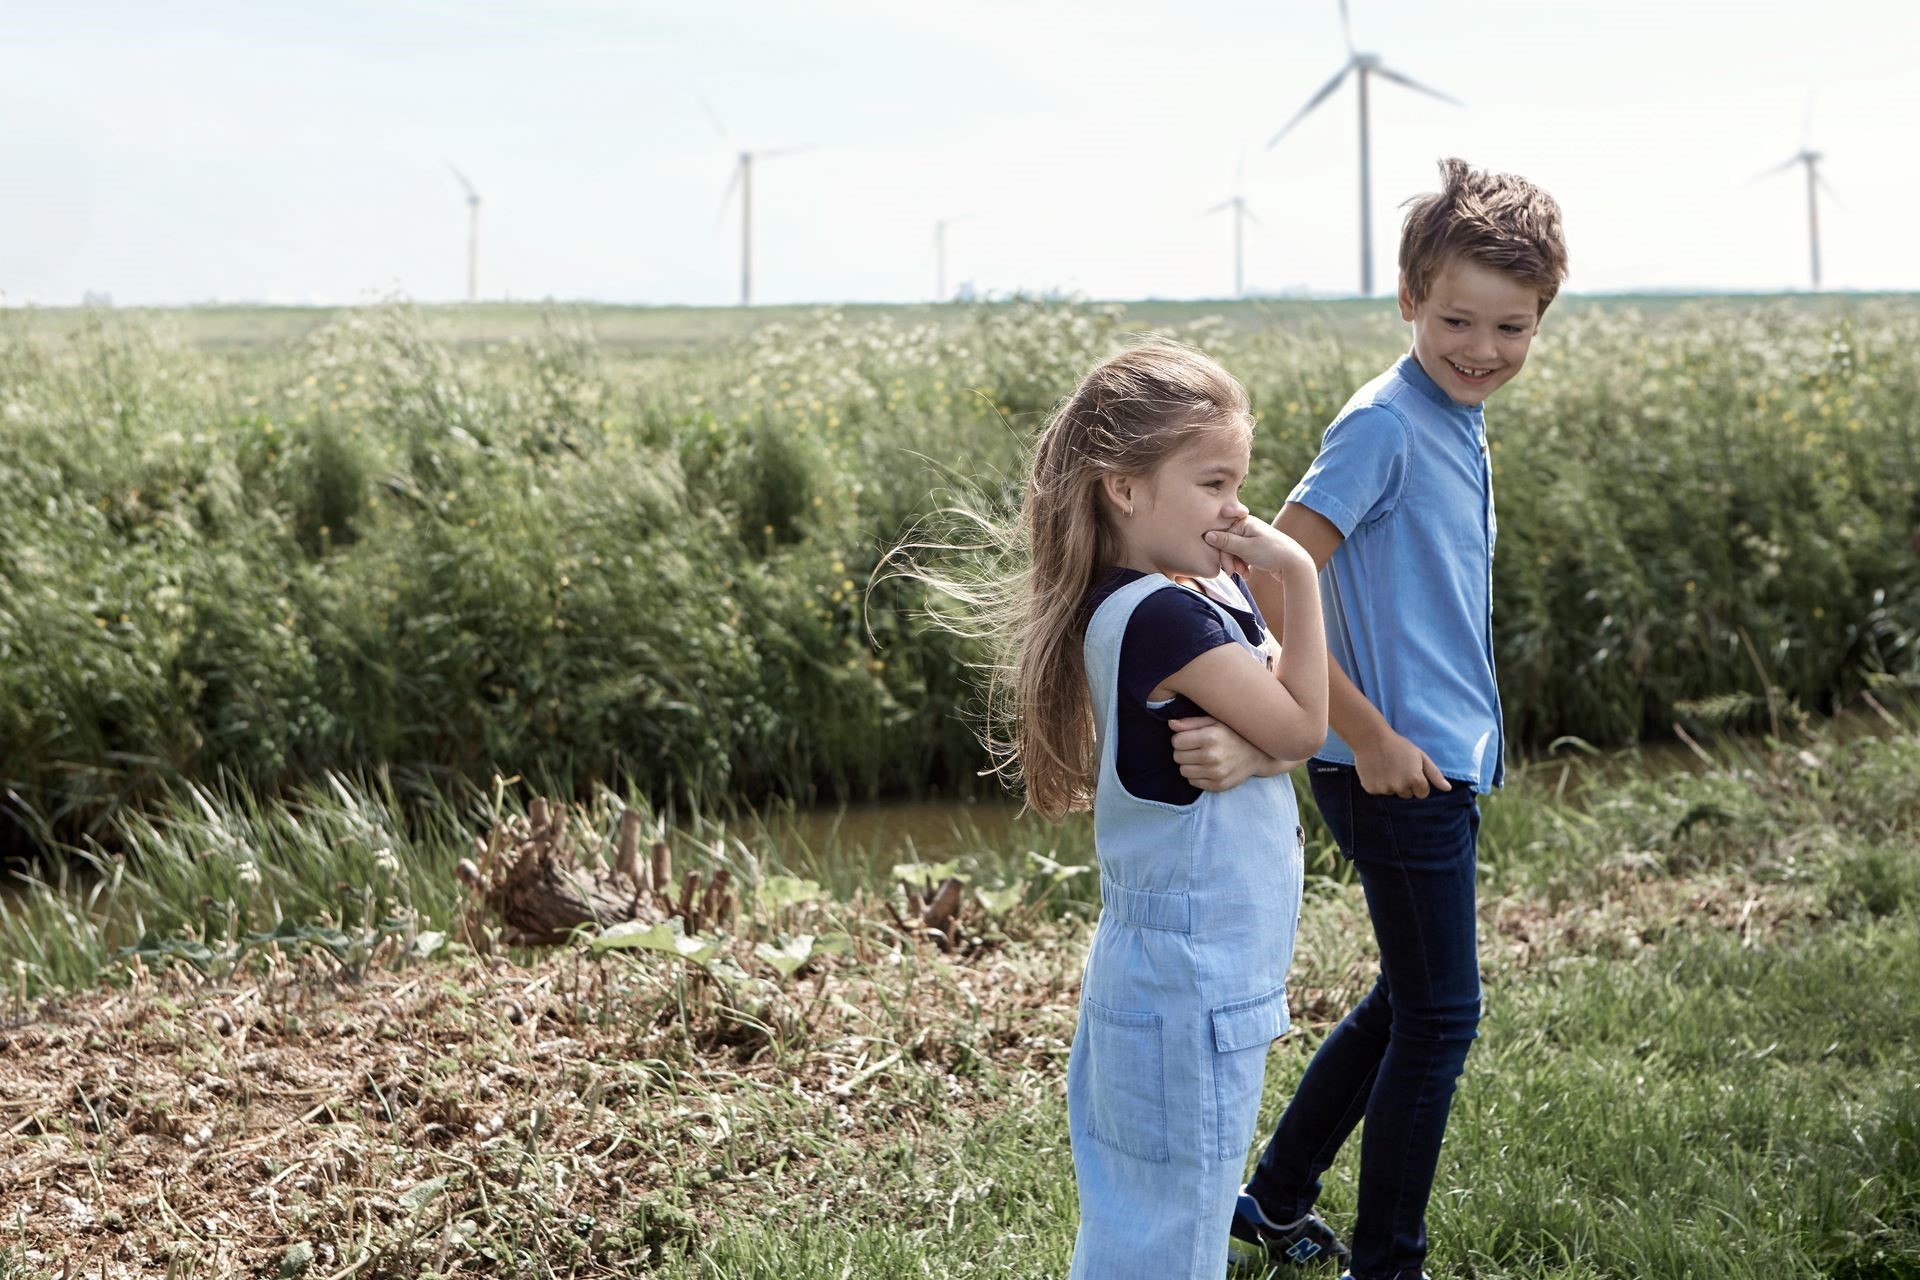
{"x":1472,"y":330}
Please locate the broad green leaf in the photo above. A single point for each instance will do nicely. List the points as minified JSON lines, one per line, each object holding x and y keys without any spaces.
{"x":669,"y":936}
{"x":152,"y":947}
{"x":783,"y":891}
{"x":929,"y":872}
{"x":1002,"y":900}
{"x":1056,"y":871}
{"x":333,"y":940}
{"x":788,"y":956}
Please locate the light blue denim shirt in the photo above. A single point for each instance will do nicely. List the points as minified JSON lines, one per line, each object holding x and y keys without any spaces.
{"x":1403,"y":474}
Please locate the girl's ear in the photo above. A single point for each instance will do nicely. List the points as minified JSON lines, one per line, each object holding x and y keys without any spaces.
{"x":1119,"y":491}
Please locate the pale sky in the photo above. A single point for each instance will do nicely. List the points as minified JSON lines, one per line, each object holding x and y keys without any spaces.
{"x":297,"y":152}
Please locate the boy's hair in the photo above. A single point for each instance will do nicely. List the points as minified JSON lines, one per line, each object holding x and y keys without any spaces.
{"x":1495,"y":219}
{"x":1126,"y":417}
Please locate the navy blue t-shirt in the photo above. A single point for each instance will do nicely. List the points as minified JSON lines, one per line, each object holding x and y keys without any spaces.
{"x":1169,"y":629}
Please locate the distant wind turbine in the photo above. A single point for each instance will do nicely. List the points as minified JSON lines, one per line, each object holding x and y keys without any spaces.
{"x":1366,"y":64}
{"x":743,"y":180}
{"x":1811,"y":159}
{"x":1241,"y":216}
{"x":473,"y":235}
{"x":940,"y":226}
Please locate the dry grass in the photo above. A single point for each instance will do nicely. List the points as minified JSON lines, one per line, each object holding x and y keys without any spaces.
{"x":477,"y":1114}
{"x":573,"y":1108}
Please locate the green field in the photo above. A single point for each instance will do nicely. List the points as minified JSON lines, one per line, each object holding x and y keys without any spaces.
{"x":282,"y":592}
{"x":679,"y":330}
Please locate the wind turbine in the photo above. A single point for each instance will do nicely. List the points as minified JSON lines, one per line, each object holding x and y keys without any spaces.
{"x":1365,"y":64}
{"x":473,"y":235}
{"x":1811,"y":159}
{"x":1241,"y":216}
{"x":743,"y":180}
{"x":940,"y":226}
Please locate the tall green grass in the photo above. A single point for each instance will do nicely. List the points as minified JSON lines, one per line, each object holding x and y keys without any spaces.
{"x":367,"y":547}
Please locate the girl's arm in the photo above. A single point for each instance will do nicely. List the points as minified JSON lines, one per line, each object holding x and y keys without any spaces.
{"x":1283,"y":713}
{"x":1215,"y":758}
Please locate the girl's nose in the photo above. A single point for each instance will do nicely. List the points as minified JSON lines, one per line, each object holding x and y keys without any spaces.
{"x":1237,"y":510}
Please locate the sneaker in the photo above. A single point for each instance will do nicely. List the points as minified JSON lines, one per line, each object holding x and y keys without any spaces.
{"x":1255,"y":1240}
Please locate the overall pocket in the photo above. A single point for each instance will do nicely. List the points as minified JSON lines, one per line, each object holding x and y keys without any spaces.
{"x":1126,"y":1081}
{"x":1242,"y":1033}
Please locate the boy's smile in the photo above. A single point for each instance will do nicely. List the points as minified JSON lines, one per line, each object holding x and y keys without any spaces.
{"x":1472,"y":331}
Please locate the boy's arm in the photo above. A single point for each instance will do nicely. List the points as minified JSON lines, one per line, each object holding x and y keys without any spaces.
{"x":1387,"y":763}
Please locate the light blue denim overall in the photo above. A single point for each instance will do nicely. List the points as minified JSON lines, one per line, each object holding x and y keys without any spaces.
{"x":1185,"y":989}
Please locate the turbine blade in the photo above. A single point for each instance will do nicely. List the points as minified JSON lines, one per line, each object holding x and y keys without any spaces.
{"x":1806,"y":122}
{"x":1254,"y":220}
{"x":471,"y":193}
{"x":1346,"y":26}
{"x":1827,"y":187}
{"x":1224,"y":204}
{"x":1415,"y":85}
{"x":1326,"y":91}
{"x":1782,"y":167}
{"x":774,"y":153}
{"x":714,"y":116}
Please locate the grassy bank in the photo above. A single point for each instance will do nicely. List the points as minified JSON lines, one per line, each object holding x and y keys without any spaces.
{"x":394,"y":541}
{"x":1695,"y":1061}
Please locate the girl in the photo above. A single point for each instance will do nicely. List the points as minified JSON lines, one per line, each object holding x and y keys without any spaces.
{"x":1127,"y":616}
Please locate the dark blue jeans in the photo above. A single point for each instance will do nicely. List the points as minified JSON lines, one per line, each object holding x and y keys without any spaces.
{"x":1395,"y":1057}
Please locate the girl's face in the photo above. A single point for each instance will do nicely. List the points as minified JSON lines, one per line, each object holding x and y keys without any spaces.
{"x":1193,"y":491}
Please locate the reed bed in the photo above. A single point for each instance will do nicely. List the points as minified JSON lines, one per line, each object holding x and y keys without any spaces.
{"x":373,"y":546}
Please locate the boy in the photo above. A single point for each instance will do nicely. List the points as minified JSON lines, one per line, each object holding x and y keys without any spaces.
{"x":1397,"y":510}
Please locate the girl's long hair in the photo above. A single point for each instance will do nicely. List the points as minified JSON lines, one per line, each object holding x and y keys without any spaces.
{"x":1021,"y":585}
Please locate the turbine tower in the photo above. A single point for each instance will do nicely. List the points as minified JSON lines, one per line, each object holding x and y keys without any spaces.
{"x":940,"y":226}
{"x":1241,"y":216}
{"x":1364,"y":65}
{"x":743,"y":180}
{"x":473,"y":235}
{"x":1811,"y":159}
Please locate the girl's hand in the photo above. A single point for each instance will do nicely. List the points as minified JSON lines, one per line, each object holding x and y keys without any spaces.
{"x":1255,"y":544}
{"x":1213,"y":757}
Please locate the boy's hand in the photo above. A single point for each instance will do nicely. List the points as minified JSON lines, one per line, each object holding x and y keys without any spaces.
{"x":1393,"y":766}
{"x":1255,"y":544}
{"x":1215,"y":758}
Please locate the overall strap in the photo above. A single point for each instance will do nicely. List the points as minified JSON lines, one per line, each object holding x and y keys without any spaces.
{"x":1101,"y":648}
